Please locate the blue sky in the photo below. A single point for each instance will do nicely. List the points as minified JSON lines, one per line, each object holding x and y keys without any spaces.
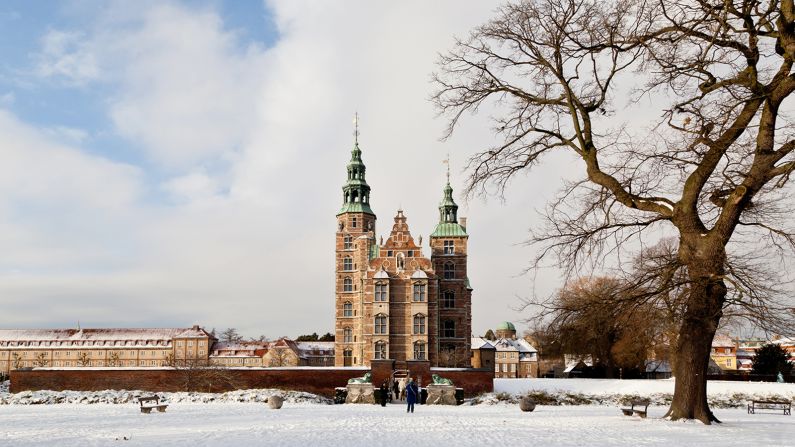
{"x":173,"y":163}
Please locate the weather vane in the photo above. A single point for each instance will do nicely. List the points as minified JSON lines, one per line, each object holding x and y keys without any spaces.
{"x":356,"y":127}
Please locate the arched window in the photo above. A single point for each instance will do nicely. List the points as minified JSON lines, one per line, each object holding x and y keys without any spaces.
{"x":419,"y":350}
{"x":347,"y":242}
{"x":381,"y":292}
{"x":347,"y":309}
{"x":448,"y":328}
{"x":448,"y":299}
{"x":347,"y":285}
{"x":347,"y":335}
{"x":380,"y":324}
{"x":419,"y":324}
{"x":380,"y":350}
{"x":347,"y":263}
{"x":419,"y":292}
{"x":449,"y":270}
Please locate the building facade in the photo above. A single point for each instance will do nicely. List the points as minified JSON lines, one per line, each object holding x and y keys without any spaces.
{"x":101,"y":347}
{"x":510,"y":357}
{"x":392,"y":302}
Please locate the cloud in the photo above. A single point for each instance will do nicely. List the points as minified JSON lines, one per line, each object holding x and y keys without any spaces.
{"x":234,"y":225}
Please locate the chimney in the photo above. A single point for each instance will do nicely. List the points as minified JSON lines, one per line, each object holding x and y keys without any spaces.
{"x":195,"y":327}
{"x":463,"y":222}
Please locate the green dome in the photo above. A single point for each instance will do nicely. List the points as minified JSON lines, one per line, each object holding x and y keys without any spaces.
{"x":506,"y":326}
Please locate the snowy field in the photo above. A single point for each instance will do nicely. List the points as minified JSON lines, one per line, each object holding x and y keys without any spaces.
{"x":249,"y":424}
{"x":241,"y":418}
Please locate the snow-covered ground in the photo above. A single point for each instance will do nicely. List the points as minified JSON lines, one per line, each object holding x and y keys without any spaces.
{"x":240,"y":418}
{"x":248,"y":424}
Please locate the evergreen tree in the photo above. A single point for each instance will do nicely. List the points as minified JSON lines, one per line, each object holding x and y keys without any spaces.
{"x":490,"y":335}
{"x":772,"y":359}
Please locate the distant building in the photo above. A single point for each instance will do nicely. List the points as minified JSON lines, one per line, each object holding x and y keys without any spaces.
{"x":101,"y":347}
{"x":513,"y":358}
{"x":724,"y":353}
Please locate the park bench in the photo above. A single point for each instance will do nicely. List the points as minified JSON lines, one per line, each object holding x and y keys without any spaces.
{"x":147,"y":405}
{"x":637,"y":403}
{"x":777,"y":405}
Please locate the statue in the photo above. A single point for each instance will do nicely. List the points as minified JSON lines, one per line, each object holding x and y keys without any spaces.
{"x":367,"y":378}
{"x":438,"y":380}
{"x":779,"y":377}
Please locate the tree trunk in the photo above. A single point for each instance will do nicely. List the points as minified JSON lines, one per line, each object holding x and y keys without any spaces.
{"x":707,"y":293}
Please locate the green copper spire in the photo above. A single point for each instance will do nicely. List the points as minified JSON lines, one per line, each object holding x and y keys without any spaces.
{"x":356,"y":191}
{"x":448,"y":216}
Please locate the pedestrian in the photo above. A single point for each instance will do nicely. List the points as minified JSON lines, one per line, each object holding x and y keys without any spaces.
{"x":384,"y":393}
{"x":396,"y":389}
{"x":412,"y":395}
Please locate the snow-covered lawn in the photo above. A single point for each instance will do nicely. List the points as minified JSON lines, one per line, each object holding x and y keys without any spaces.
{"x":305,"y":425}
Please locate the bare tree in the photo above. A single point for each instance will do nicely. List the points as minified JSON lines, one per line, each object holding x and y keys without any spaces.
{"x":455,"y":356}
{"x":83,"y":359}
{"x":41,"y":360}
{"x":710,"y":171}
{"x":231,"y":335}
{"x":200,"y":374}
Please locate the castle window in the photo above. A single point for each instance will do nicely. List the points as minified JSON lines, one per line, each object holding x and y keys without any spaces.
{"x":347,"y":357}
{"x":347,"y":263}
{"x":389,"y":253}
{"x":353,"y":222}
{"x":419,"y":350}
{"x":419,"y":292}
{"x":347,"y":242}
{"x":449,"y":328}
{"x":380,"y":324}
{"x":449,"y":247}
{"x":419,"y":324}
{"x":410,"y":253}
{"x":449,"y":270}
{"x":380,"y":350}
{"x":347,"y":285}
{"x":380,"y":292}
{"x":448,"y":300}
{"x":347,"y":309}
{"x":347,"y":335}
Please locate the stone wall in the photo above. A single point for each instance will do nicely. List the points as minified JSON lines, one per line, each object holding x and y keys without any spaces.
{"x":473,"y":381}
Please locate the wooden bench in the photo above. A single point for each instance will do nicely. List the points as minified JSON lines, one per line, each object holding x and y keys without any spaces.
{"x":637,"y":403}
{"x":777,"y":405}
{"x":147,"y":406}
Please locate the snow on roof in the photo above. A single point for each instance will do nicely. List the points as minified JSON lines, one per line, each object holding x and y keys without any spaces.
{"x":481,"y":343}
{"x":722,"y":341}
{"x":419,"y":274}
{"x":239,"y":346}
{"x":315,"y":345}
{"x":509,"y":344}
{"x":125,"y":334}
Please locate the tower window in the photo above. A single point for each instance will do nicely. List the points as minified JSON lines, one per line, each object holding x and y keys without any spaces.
{"x":347,"y":263}
{"x":449,"y":247}
{"x":419,"y":324}
{"x":449,"y":270}
{"x":347,"y":335}
{"x":380,"y":324}
{"x":347,"y":357}
{"x":410,"y":253}
{"x":389,"y":253}
{"x":449,"y":328}
{"x":347,"y":285}
{"x":380,"y":350}
{"x":353,"y":222}
{"x":448,"y":299}
{"x":347,"y":309}
{"x":419,"y":350}
{"x":347,"y":242}
{"x":419,"y":292}
{"x":380,"y":292}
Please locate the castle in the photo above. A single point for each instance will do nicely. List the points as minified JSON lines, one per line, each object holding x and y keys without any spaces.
{"x":391,"y":301}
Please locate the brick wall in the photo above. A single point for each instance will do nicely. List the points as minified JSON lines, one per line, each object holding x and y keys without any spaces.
{"x":313,"y":380}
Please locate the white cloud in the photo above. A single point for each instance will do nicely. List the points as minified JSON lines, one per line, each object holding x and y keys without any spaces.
{"x":255,"y":142}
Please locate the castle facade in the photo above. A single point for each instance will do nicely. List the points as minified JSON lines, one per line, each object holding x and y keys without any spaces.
{"x":393,"y":302}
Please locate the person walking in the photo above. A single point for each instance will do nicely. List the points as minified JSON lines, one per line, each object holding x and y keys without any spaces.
{"x":412,"y":395}
{"x":384,"y":393}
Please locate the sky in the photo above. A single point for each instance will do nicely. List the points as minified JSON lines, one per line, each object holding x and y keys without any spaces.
{"x":171,"y":163}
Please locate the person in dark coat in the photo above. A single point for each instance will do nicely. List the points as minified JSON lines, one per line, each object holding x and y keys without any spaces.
{"x":396,"y":389}
{"x":384,"y":393}
{"x":412,"y":395}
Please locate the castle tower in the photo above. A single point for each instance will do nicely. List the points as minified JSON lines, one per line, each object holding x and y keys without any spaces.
{"x":355,"y":236}
{"x":449,"y":259}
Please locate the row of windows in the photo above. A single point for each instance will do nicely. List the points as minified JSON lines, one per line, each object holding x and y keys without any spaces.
{"x":382,"y":295}
{"x":420,"y":352}
{"x":505,"y":367}
{"x":448,"y":268}
{"x":420,"y":326}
